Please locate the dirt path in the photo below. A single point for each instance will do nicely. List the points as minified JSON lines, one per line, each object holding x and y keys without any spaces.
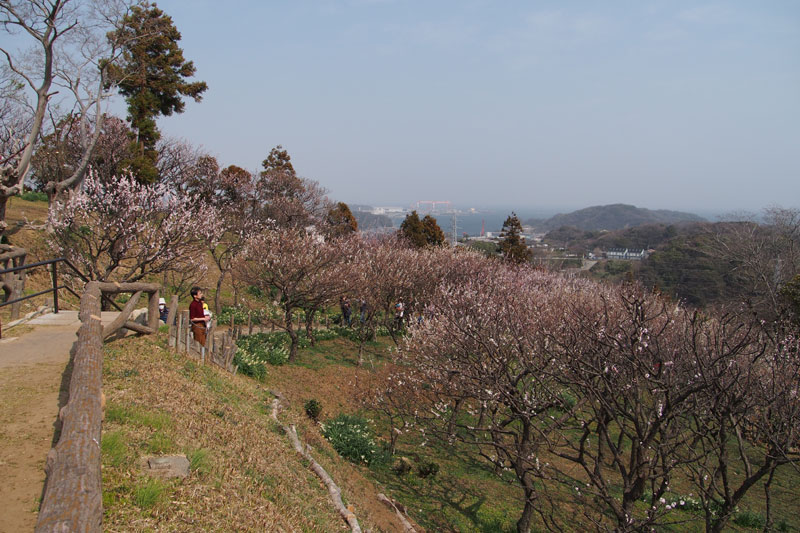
{"x":32,"y":368}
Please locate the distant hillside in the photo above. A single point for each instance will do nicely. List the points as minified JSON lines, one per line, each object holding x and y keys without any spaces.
{"x":613,"y":217}
{"x":368,"y":221}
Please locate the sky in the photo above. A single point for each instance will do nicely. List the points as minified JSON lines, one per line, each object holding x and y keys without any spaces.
{"x":666,"y":105}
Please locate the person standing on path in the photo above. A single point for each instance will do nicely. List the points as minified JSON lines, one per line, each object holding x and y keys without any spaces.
{"x":344,"y":304}
{"x":197,"y":316}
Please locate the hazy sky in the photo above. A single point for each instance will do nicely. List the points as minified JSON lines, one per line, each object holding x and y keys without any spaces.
{"x":678,"y":105}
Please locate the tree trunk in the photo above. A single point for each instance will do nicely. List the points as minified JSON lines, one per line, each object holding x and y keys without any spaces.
{"x":3,"y":203}
{"x":310,"y":326}
{"x":292,"y":334}
{"x":217,"y":308}
{"x":768,"y":502}
{"x":451,"y":424}
{"x":524,"y":522}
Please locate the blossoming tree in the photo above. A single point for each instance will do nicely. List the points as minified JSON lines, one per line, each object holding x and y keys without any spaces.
{"x":122,"y":230}
{"x":298,"y":265}
{"x":484,"y":371}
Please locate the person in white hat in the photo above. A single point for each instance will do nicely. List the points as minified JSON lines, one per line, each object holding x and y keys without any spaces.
{"x":163,"y":312}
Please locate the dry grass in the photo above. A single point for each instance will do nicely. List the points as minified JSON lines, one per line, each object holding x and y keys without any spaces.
{"x":248,"y":477}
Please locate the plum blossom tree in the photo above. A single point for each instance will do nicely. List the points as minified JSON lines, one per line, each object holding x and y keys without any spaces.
{"x":484,"y":357}
{"x":626,"y":389}
{"x":386,"y":272}
{"x":763,"y":254}
{"x":632,"y":357}
{"x":229,"y":192}
{"x":300,"y":266}
{"x":390,"y":396}
{"x":124,"y":231}
{"x":746,"y":421}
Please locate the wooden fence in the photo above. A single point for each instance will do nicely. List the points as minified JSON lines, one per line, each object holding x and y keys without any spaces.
{"x":219,"y":349}
{"x":73,"y":495}
{"x":72,"y":498}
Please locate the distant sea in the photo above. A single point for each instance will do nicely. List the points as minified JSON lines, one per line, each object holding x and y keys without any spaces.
{"x":492,"y":219}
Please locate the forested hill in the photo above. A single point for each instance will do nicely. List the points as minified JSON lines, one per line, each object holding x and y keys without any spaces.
{"x":367,"y":221}
{"x":614,"y":216}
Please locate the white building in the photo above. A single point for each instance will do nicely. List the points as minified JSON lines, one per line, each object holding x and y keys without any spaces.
{"x":626,"y":254}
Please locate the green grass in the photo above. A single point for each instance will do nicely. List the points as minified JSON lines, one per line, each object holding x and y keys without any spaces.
{"x":137,"y":416}
{"x":160,"y":443}
{"x":34,"y":196}
{"x":114,"y":448}
{"x":199,"y":460}
{"x":150,"y":493}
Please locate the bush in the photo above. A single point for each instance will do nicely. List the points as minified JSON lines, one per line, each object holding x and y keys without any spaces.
{"x":249,"y":364}
{"x":239,"y":315}
{"x":351,"y":437}
{"x":34,"y":196}
{"x":257,"y":350}
{"x":345,"y":332}
{"x":278,"y":355}
{"x":750,"y":519}
{"x":313,"y":409}
{"x":325,"y":334}
{"x":402,"y":466}
{"x":427,"y":469}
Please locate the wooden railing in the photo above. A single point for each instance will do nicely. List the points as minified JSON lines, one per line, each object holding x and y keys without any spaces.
{"x":12,"y":280}
{"x":73,"y":496}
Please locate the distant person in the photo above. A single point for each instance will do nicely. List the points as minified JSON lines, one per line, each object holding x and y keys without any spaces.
{"x":363,"y":311}
{"x":344,"y":304}
{"x":399,"y":311}
{"x":197,"y":316}
{"x":163,"y":312}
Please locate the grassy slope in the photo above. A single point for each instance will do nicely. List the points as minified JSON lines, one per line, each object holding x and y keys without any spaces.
{"x":246,"y":475}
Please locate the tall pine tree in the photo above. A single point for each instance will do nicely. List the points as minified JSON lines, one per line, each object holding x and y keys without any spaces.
{"x":413,"y":230}
{"x":512,"y":244}
{"x":152,"y":77}
{"x":421,"y":233}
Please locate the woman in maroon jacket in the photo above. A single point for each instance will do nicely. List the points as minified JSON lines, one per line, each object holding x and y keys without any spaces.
{"x":197,"y":317}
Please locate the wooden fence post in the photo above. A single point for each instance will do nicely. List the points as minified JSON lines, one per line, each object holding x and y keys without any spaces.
{"x":179,"y":332}
{"x":188,"y":331}
{"x":152,"y":310}
{"x":118,"y":322}
{"x":173,"y":311}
